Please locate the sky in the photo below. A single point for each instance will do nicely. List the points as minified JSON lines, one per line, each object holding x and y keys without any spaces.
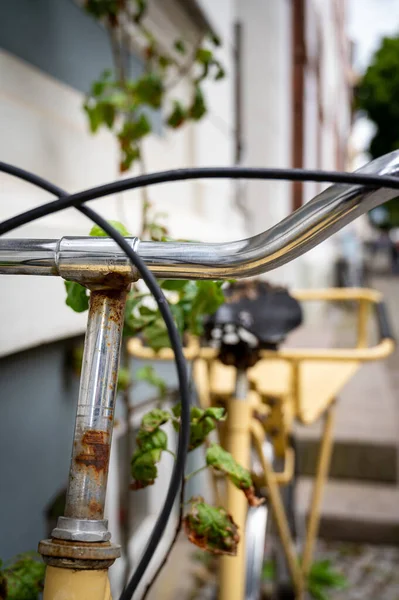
{"x":368,"y":22}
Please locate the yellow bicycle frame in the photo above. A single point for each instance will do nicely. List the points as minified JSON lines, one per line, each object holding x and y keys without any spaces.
{"x":309,"y":399}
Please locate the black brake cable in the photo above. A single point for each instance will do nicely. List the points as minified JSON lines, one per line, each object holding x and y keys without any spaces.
{"x":77,"y":200}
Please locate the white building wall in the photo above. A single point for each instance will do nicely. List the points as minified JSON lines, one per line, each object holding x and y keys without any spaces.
{"x":216,"y":197}
{"x":317,"y":267}
{"x":266,"y":108}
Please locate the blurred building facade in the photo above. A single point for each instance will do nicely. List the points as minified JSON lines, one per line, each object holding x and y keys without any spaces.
{"x":296,"y":110}
{"x":285,"y":102}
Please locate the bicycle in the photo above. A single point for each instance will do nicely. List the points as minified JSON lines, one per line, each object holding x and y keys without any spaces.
{"x":79,"y":553}
{"x":265,"y":389}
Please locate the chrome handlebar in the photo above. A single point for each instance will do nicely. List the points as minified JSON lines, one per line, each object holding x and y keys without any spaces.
{"x":94,"y":260}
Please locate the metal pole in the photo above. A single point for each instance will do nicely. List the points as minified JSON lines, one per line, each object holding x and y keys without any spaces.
{"x":237,"y":440}
{"x":84,"y":510}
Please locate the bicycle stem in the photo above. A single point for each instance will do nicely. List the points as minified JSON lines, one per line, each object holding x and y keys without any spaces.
{"x":83,"y":521}
{"x":98,"y":261}
{"x":88,"y":473}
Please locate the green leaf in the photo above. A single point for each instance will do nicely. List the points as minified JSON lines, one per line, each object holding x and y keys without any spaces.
{"x":154,"y":419}
{"x":151,"y":441}
{"x":206,"y":300}
{"x":129,"y":155}
{"x":198,"y":107}
{"x":220,"y":72}
{"x":124,"y":379}
{"x":215,"y":412}
{"x":211,"y":528}
{"x":95,"y":115}
{"x":146,"y":311}
{"x":133,"y":300}
{"x":204,"y":56}
{"x":173,"y":285}
{"x":322,"y":573}
{"x":77,"y":296}
{"x":118,"y":99}
{"x":156,"y":335}
{"x":202,"y":422}
{"x":149,"y":89}
{"x":102,"y":9}
{"x":215,"y":39}
{"x":149,"y":375}
{"x":316,"y":592}
{"x":156,"y":439}
{"x":178,"y":115}
{"x":164,"y":61}
{"x":109,"y":114}
{"x":221,"y":460}
{"x":97,"y":231}
{"x":24,"y":577}
{"x":134,"y":130}
{"x":180,"y":46}
{"x":136,"y":324}
{"x":143,"y":468}
{"x":268,"y":571}
{"x":199,"y":431}
{"x":98,"y":87}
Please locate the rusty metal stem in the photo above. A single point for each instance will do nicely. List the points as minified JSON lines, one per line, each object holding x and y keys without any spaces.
{"x":95,"y":412}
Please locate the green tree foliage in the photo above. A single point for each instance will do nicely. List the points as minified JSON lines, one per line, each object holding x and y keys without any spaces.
{"x":378,"y":96}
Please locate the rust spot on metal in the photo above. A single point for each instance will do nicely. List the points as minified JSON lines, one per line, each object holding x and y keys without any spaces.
{"x":111,"y":281}
{"x":96,"y":510}
{"x":116,"y":299}
{"x":95,"y":450}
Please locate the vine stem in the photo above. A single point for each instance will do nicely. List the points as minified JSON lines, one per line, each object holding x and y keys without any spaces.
{"x":186,"y":68}
{"x":172,"y":543}
{"x":196,"y":472}
{"x":117,"y":54}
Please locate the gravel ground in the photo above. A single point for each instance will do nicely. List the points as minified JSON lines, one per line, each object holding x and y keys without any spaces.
{"x":372,"y":571}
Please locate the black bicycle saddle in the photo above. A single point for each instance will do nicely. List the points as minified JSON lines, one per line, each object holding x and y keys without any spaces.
{"x":255,"y":316}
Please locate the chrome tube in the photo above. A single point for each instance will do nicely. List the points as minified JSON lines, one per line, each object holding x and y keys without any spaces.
{"x":28,"y":257}
{"x":84,"y":509}
{"x":314,"y":222}
{"x":96,"y":261}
